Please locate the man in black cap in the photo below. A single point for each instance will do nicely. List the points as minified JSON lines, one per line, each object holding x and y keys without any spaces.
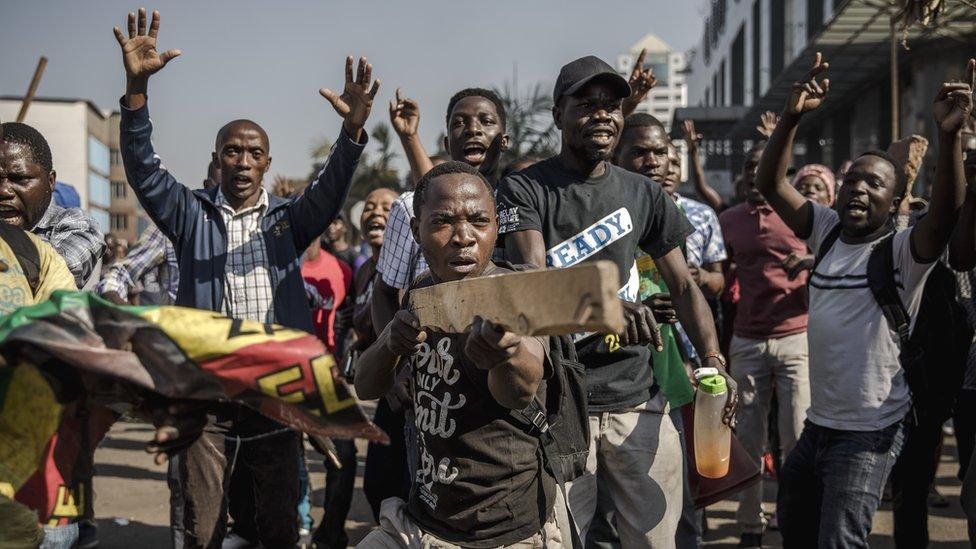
{"x":578,"y":207}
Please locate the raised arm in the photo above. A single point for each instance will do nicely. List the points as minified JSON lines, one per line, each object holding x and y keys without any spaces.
{"x":166,"y":201}
{"x":771,"y":181}
{"x":322,"y":200}
{"x":708,"y":194}
{"x":962,"y":247}
{"x":951,"y":109}
{"x":405,"y":117}
{"x":641,"y":82}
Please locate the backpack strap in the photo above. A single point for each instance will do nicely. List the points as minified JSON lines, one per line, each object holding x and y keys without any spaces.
{"x":825,"y":246}
{"x":881,"y":280}
{"x":26,"y":251}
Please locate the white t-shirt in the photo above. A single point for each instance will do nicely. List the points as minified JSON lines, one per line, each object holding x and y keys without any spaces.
{"x":856,"y":380}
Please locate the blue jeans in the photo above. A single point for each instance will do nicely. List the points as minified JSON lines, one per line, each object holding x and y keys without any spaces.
{"x":831,"y":483}
{"x":60,"y":537}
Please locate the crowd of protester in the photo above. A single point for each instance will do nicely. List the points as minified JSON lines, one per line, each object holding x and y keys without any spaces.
{"x":846,"y":317}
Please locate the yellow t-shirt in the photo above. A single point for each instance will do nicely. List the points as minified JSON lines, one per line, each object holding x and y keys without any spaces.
{"x":15,"y":290}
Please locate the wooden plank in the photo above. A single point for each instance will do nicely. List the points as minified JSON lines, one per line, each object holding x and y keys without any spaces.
{"x":32,"y":89}
{"x":544,"y":302}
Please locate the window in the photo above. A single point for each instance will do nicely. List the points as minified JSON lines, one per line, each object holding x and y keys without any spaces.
{"x":120,"y":222}
{"x":99,"y":190}
{"x":116,"y":157}
{"x":100,"y":216}
{"x":118,"y":190}
{"x":738,"y":67}
{"x":98,"y":156}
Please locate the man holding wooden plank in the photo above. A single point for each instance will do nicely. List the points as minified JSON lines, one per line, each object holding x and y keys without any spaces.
{"x":481,"y":480}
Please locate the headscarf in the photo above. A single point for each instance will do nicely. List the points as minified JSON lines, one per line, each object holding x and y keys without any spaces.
{"x":820,"y":171}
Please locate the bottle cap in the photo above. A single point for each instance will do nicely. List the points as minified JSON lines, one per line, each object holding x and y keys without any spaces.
{"x":713,"y":385}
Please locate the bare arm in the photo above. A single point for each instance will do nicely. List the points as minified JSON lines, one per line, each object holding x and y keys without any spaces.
{"x":951,"y":109}
{"x":962,"y":247}
{"x":806,"y":95}
{"x":526,"y":247}
{"x":696,"y":317}
{"x":405,"y":117}
{"x":515,"y":364}
{"x":704,"y":190}
{"x":376,"y":367}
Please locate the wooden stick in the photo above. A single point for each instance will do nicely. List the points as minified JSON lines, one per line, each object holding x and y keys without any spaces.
{"x":544,"y":302}
{"x":32,"y":89}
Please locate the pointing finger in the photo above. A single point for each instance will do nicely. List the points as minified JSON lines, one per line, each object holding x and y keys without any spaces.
{"x":639,"y":64}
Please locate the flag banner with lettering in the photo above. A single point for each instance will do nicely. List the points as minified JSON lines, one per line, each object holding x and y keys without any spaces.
{"x":68,"y":358}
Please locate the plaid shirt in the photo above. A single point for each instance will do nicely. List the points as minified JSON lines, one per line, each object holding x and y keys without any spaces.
{"x":401,"y":260}
{"x":248,"y":293}
{"x":151,"y":264}
{"x":76,"y":238}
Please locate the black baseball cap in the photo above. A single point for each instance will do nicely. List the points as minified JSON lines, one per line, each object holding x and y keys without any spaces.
{"x":576,"y":74}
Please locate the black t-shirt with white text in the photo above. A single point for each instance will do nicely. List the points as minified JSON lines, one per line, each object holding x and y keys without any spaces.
{"x":480,"y":481}
{"x":602,"y":218}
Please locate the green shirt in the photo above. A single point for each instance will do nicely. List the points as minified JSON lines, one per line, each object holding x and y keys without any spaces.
{"x":669,"y":368}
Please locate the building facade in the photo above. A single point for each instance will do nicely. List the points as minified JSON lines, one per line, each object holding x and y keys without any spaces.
{"x":85,"y":149}
{"x":668,"y":65}
{"x":752,"y":51}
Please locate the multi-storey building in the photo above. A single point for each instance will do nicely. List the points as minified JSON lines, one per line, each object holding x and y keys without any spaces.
{"x":752,"y":51}
{"x":84,"y":145}
{"x":668,"y":66}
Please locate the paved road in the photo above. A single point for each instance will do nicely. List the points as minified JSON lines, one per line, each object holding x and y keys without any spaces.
{"x":132,"y":503}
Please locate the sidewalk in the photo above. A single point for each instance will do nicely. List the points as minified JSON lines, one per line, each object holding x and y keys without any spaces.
{"x":132,"y":501}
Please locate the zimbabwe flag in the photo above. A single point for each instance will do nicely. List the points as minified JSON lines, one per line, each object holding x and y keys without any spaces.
{"x":78,"y":348}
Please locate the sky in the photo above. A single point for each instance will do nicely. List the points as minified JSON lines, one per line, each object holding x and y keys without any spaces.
{"x":267,"y":60}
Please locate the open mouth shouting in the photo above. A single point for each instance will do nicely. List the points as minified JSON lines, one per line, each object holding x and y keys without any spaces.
{"x":11,"y":215}
{"x":475,"y":153}
{"x":856,"y":209}
{"x":374,"y":228}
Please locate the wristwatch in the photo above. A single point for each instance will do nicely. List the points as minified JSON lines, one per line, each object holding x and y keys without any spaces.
{"x":717,"y":356}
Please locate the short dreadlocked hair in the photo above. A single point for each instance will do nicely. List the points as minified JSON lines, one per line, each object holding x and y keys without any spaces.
{"x":447,"y":168}
{"x":40,"y":151}
{"x":477,"y":92}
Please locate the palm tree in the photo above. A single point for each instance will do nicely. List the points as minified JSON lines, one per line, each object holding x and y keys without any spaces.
{"x":531,"y":129}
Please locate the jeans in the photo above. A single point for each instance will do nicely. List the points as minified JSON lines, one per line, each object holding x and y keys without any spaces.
{"x":204,"y":473}
{"x":911,"y":478}
{"x":339,"y":483}
{"x":831,"y":483}
{"x":761,"y":367}
{"x":637,"y":456}
{"x":59,"y":537}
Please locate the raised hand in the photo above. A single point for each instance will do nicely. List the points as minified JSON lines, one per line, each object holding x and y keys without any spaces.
{"x":357,"y":96}
{"x":807,"y":93}
{"x":641,"y":82}
{"x":692,"y":137}
{"x":767,"y":123}
{"x":404,"y":115}
{"x":139,"y":55}
{"x":955,"y":102}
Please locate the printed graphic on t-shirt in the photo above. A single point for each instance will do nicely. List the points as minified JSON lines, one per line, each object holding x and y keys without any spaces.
{"x":586,"y":243}
{"x":508,"y":219}
{"x":435,"y":399}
